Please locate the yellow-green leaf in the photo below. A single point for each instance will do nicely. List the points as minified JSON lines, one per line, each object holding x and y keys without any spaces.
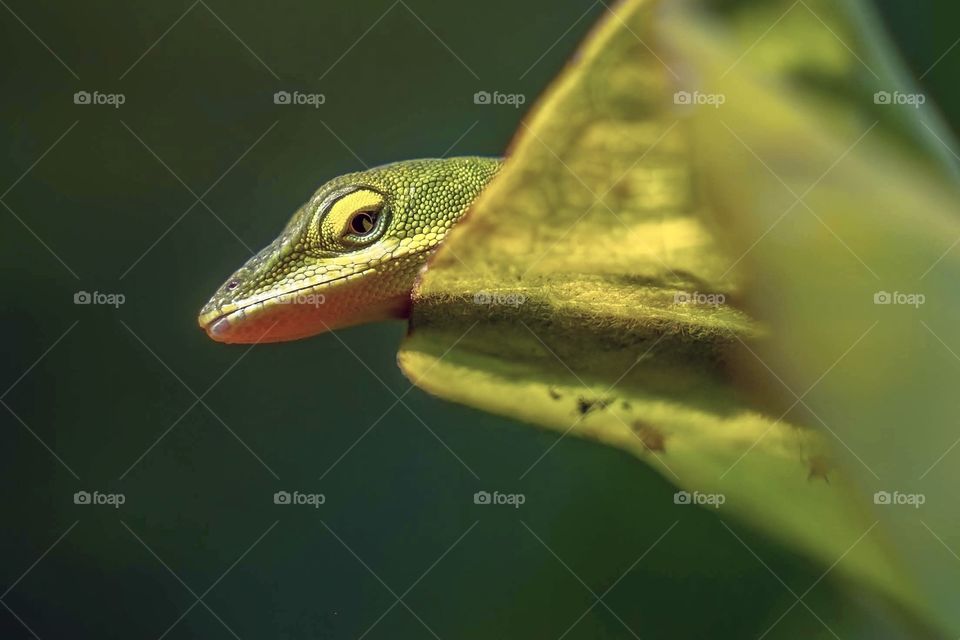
{"x":856,"y":267}
{"x":595,"y":288}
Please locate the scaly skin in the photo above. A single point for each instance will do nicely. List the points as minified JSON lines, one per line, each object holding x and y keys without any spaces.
{"x":350,"y":254}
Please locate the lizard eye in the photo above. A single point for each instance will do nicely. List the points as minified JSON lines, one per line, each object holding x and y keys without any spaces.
{"x":354,"y":220}
{"x":363,"y":222}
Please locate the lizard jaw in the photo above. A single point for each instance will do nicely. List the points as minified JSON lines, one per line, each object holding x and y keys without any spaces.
{"x":302,"y":313}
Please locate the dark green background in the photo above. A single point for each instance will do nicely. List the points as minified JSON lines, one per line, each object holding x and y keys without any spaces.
{"x":400,"y":498}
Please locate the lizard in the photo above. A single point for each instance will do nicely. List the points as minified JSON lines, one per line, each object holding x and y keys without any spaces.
{"x":350,"y":254}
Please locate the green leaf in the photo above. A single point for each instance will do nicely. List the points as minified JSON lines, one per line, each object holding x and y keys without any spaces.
{"x":877,"y":220}
{"x":596,"y":287}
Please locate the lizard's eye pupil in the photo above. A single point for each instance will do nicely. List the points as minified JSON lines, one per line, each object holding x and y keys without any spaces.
{"x":363,"y":222}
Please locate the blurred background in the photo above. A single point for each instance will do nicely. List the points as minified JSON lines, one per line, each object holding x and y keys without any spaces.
{"x":158,"y":199}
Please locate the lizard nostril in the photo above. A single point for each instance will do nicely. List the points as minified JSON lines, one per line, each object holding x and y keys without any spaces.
{"x":233,"y":284}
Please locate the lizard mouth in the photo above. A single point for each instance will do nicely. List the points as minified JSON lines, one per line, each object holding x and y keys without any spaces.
{"x":256,"y":320}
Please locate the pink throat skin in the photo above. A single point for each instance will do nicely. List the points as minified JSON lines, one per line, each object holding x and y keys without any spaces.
{"x":285,"y":322}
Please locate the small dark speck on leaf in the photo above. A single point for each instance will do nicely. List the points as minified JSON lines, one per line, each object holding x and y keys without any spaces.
{"x":626,"y":405}
{"x":553,"y":393}
{"x":623,"y":189}
{"x":819,"y":468}
{"x":585,"y":406}
{"x":651,"y":437}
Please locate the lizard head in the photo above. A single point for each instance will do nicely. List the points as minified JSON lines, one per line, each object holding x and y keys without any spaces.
{"x":350,"y":254}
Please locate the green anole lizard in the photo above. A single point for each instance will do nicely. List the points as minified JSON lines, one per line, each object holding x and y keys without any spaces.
{"x":350,"y":254}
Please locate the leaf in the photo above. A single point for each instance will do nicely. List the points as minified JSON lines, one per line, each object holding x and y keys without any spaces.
{"x":594,"y":288}
{"x":873,"y":221}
